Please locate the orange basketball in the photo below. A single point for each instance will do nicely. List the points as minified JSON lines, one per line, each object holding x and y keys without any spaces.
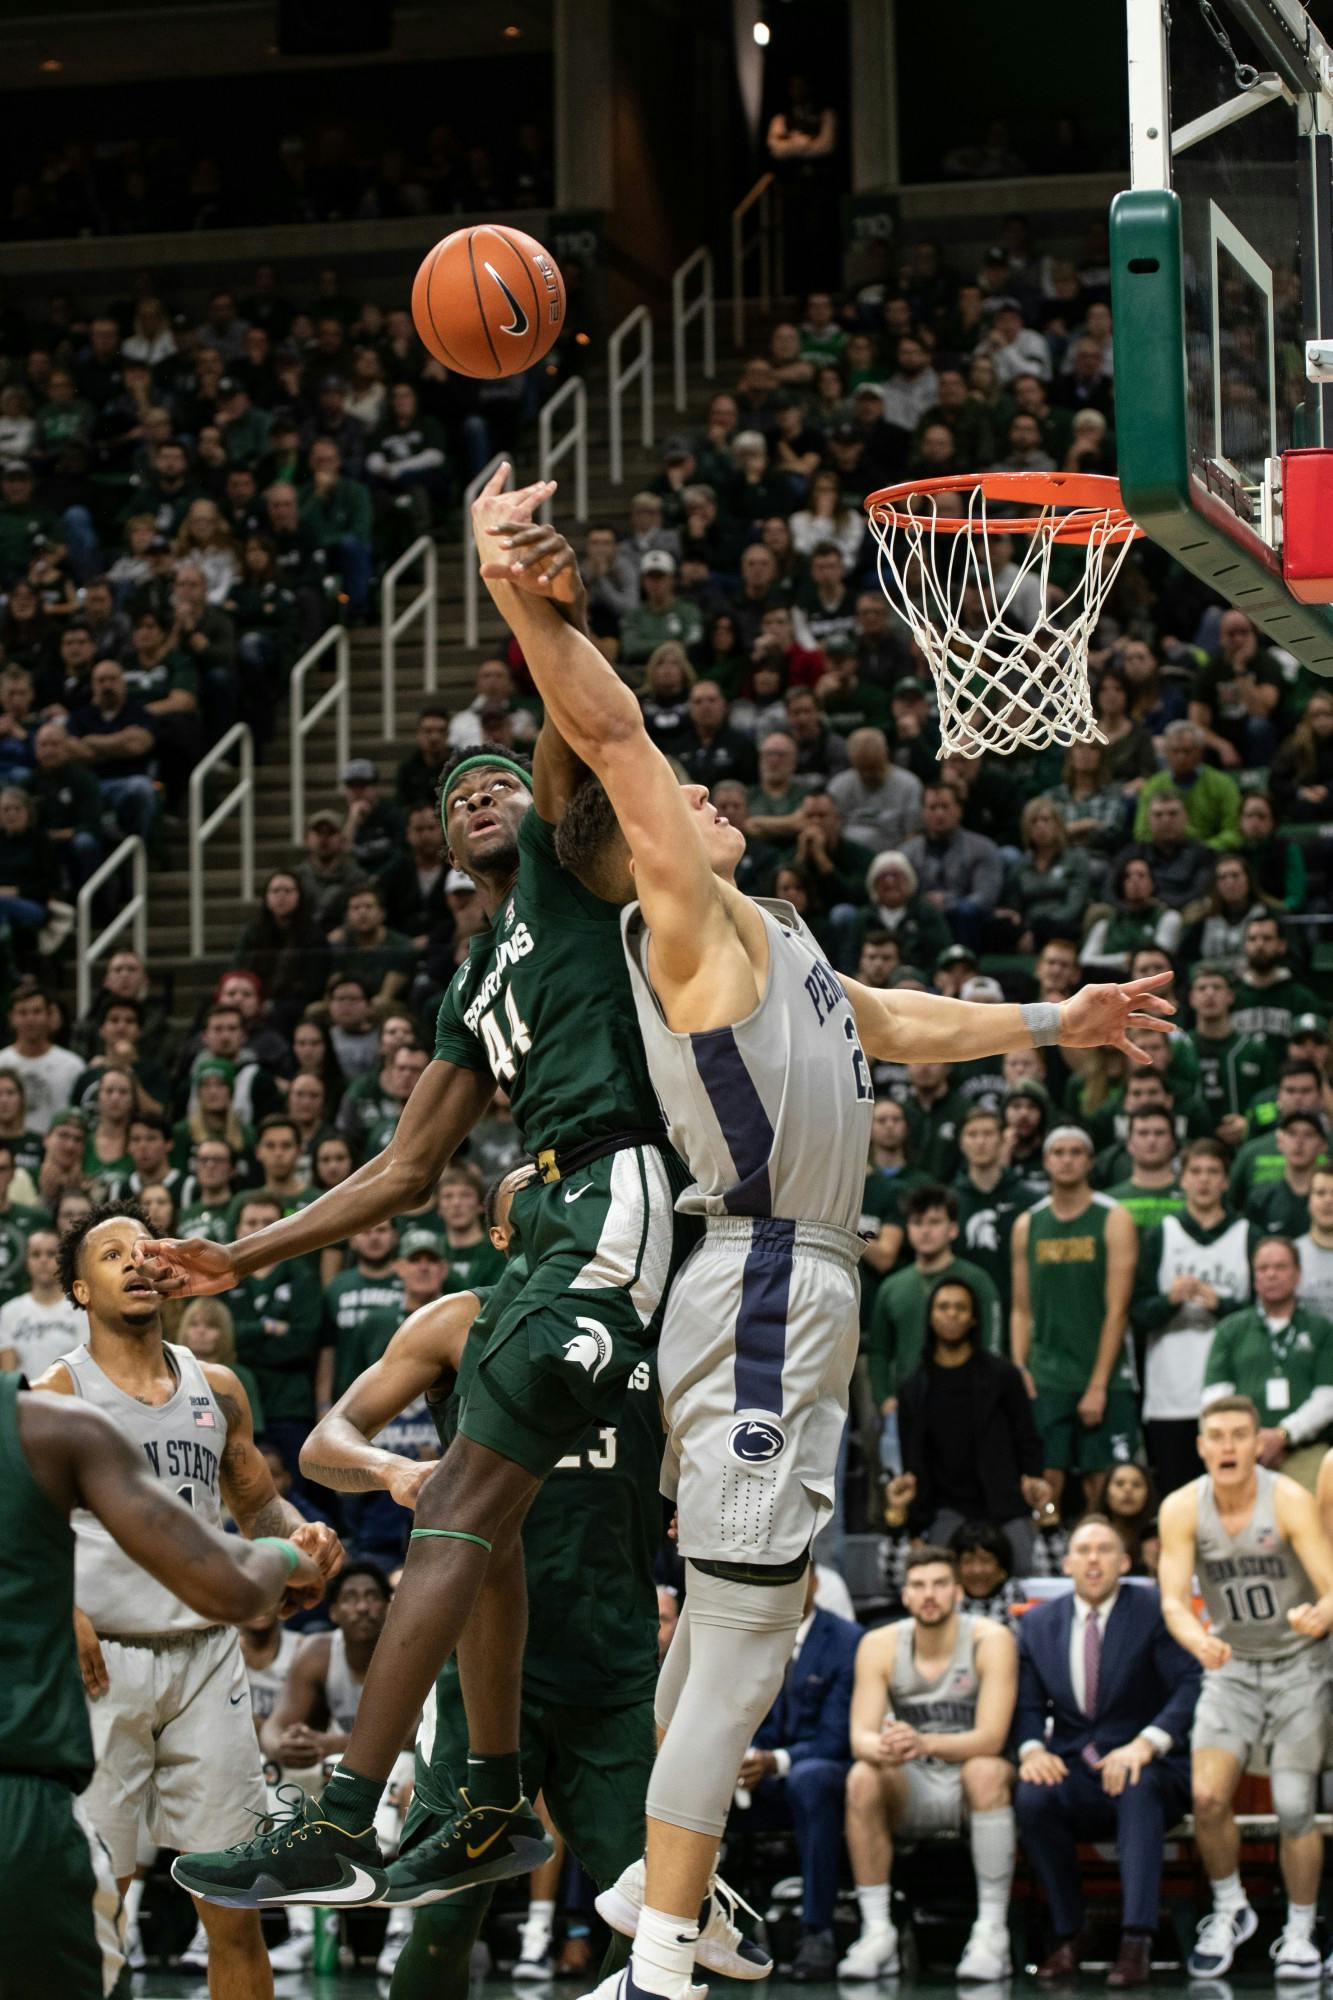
{"x":488,"y":301}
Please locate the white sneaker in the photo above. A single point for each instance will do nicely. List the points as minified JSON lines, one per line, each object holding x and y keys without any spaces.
{"x":987,"y":1955}
{"x":395,"y":1938}
{"x":295,"y":1953}
{"x":1221,"y":1935}
{"x":194,"y":1958}
{"x":620,"y":1986}
{"x":133,"y":1949}
{"x":874,"y":1953}
{"x":720,"y":1947}
{"x":1295,"y":1955}
{"x":534,"y":1959}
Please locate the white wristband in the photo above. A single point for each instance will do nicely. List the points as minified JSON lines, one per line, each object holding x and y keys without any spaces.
{"x":1042,"y":1020}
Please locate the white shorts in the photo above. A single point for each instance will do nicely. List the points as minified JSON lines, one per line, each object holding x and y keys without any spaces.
{"x":935,"y":1802}
{"x":175,"y":1745}
{"x":756,"y":1357}
{"x":1280,"y":1704}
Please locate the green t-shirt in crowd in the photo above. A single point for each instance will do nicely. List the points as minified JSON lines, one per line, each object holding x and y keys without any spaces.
{"x":1277,"y":1371}
{"x":1147,"y":1205}
{"x":1233,"y":1070}
{"x":279,"y":1327}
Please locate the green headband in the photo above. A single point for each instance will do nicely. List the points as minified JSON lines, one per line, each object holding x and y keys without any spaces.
{"x":481,"y":762}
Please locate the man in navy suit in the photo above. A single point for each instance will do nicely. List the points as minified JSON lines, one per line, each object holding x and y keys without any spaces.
{"x":1119,"y":1694}
{"x":796,"y":1770}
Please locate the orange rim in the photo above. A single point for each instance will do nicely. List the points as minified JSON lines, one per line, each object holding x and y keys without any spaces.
{"x":1093,"y":498}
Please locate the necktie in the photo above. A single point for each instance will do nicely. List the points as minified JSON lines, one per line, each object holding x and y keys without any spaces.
{"x":1092,"y":1662}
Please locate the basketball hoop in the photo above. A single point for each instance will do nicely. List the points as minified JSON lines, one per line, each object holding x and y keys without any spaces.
{"x":1007,"y":646}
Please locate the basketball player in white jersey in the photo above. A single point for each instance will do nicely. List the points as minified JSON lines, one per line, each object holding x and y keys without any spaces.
{"x":315,"y":1712}
{"x":931,"y":1709}
{"x":758,"y":1052}
{"x":170,"y":1706}
{"x":1254,"y":1541}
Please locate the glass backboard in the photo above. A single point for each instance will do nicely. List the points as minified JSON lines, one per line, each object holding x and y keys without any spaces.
{"x":1222,"y":260}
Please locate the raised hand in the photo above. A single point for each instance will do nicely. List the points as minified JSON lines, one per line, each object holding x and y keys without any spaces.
{"x":1101,"y":1016}
{"x":318,"y":1540}
{"x":185,"y":1268}
{"x":493,"y":505}
{"x":535,"y":558}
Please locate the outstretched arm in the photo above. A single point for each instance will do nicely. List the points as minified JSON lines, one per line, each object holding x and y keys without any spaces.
{"x":527,"y":571}
{"x":926,"y":1027}
{"x":246,"y":1483}
{"x":79,"y":1458}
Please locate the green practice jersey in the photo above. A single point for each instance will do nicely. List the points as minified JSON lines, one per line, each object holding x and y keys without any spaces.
{"x":589,"y":1543}
{"x":897,"y":1338}
{"x":1148,"y":1205}
{"x":544,"y":1004}
{"x":350,"y":1300}
{"x":1067,"y":1297}
{"x":43,"y":1711}
{"x":1233,"y":1070}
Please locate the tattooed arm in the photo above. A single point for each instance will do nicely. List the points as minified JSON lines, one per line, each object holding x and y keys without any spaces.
{"x":247,"y":1484}
{"x":339,"y":1452}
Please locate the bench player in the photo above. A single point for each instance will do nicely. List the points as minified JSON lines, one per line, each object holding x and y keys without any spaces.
{"x":1254,"y":1541}
{"x":759,"y":1056}
{"x":58,"y":1899}
{"x":543,"y":1005}
{"x":170,"y":1704}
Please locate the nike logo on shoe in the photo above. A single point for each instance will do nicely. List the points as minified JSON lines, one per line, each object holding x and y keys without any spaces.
{"x":489,"y":1841}
{"x":361,"y":1889}
{"x":572,"y":1194}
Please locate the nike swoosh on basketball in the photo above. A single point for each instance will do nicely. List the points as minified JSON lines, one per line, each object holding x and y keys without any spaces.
{"x":490,"y":1840}
{"x":350,"y":1892}
{"x":519,"y":324}
{"x":572,"y":1194}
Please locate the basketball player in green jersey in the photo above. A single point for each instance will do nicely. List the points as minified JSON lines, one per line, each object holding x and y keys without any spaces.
{"x":544,"y":1007}
{"x":55,"y":1879}
{"x":1074,"y":1262}
{"x":590,"y":1665}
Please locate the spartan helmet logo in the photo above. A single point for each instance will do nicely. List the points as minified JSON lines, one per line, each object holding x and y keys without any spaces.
{"x":983,"y":1230}
{"x":590,"y":1349}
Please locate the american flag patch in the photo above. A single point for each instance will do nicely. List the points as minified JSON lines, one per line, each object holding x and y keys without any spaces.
{"x":204,"y":1420}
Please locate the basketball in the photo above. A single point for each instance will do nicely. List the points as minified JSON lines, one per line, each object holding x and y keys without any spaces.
{"x":488,"y":301}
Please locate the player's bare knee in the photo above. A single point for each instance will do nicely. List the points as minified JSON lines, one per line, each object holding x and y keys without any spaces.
{"x":987,"y":1783}
{"x":473,"y":1489}
{"x":1293,"y":1801}
{"x":1211,"y":1801}
{"x":865,"y":1787}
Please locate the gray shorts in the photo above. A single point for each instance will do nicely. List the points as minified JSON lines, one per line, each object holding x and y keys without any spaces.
{"x":935,"y":1802}
{"x":176,"y":1748}
{"x":757,"y":1351}
{"x":1281,"y":1705}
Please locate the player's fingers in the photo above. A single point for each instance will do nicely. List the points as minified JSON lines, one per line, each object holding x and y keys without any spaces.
{"x":496,"y":483}
{"x":1149,"y":984}
{"x":1152,"y":1003}
{"x":1131,"y":1049}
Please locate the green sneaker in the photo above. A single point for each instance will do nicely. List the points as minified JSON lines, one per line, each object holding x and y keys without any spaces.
{"x":484,"y":1844}
{"x":294,"y":1857}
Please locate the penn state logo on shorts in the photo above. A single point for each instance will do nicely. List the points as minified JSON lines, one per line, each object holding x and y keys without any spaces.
{"x":757,"y":1441}
{"x":590,"y":1349}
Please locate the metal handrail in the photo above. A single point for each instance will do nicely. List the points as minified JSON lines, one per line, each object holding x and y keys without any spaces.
{"x":682,"y":317}
{"x":89,"y":949}
{"x":337,"y":693}
{"x":766,"y":240}
{"x":575,"y":439}
{"x":471,"y":580}
{"x":241,"y":797}
{"x":619,"y":379}
{"x":423,"y":605}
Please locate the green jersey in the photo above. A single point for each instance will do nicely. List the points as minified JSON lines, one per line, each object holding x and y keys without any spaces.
{"x":279,"y":1325}
{"x":986,"y":1219}
{"x":1233,"y":1070}
{"x":211,"y":1220}
{"x":16,"y":1226}
{"x":1067,"y":1297}
{"x":932,"y":1132}
{"x":1148,"y":1205}
{"x":350,"y":1300}
{"x":1270,"y":1010}
{"x":468,"y":1264}
{"x":544,"y":1005}
{"x":898,"y":1322}
{"x":589,"y":1543}
{"x":43,"y":1712}
{"x":1279,"y":1211}
{"x":1257,"y":1167}
{"x":1278,"y":1369}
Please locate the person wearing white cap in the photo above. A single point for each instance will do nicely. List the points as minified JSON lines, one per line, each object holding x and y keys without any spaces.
{"x":662,"y":615}
{"x":1074,"y":1258}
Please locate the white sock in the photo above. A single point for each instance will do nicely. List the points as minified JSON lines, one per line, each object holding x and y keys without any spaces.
{"x":541,"y":1910}
{"x":1300,"y":1919}
{"x":133,"y":1900}
{"x":663,"y":1957}
{"x":993,"y":1862}
{"x":874,"y":1903}
{"x":300,"y":1920}
{"x":1228,"y":1894}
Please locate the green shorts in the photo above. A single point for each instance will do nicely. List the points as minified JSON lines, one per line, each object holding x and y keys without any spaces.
{"x":58,"y":1900}
{"x":591,"y":1766}
{"x":579,"y":1307}
{"x":1068,"y":1444}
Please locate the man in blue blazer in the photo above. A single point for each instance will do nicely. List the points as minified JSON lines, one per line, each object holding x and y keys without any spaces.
{"x":1100,"y":1667}
{"x":796,"y":1770}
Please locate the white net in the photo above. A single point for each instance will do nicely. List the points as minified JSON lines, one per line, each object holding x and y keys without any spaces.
{"x":1007,"y":644}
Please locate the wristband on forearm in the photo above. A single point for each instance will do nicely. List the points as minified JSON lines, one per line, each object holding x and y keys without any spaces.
{"x":1041,"y":1018}
{"x":290,"y":1554}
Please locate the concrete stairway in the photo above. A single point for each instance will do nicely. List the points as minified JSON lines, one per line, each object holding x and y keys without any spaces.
{"x":168,"y":890}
